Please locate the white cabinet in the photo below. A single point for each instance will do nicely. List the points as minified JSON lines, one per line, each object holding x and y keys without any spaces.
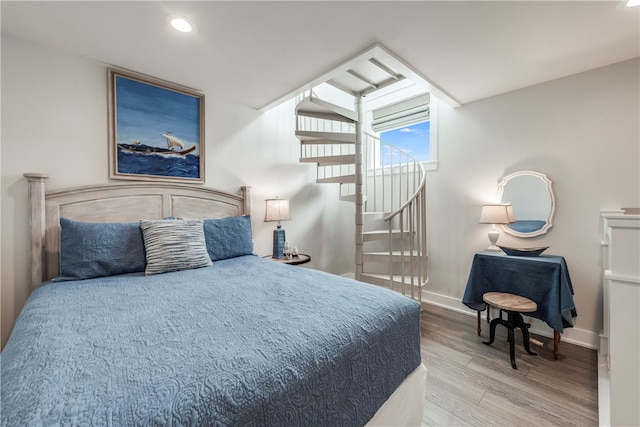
{"x":619,"y":352}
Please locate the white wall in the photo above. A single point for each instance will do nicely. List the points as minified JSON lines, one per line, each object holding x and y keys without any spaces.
{"x":582,"y":131}
{"x":54,"y":121}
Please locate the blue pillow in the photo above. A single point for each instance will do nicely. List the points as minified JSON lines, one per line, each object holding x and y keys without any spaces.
{"x":90,"y":249}
{"x":228,"y":237}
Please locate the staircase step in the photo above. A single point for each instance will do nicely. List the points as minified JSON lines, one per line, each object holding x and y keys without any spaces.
{"x":376,"y":213}
{"x":325,"y":142}
{"x":344,"y":159}
{"x":315,"y":107}
{"x":396,"y":256}
{"x":336,"y":137}
{"x":352,"y":198}
{"x":324,"y":115}
{"x":384,"y":279}
{"x":369,"y":236}
{"x":341,"y":179}
{"x":376,"y":217}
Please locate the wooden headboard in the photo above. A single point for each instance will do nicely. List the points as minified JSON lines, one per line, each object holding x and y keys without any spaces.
{"x":115,"y":203}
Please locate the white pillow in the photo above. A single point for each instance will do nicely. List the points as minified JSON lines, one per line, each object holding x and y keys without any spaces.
{"x":173,"y":245}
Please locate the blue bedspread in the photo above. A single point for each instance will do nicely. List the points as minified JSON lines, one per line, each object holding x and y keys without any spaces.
{"x":247,"y":342}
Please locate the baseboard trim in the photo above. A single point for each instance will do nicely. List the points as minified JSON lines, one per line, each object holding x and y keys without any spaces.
{"x":577,"y":336}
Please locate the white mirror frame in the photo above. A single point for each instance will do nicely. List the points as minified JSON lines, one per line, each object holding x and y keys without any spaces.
{"x":505,"y":180}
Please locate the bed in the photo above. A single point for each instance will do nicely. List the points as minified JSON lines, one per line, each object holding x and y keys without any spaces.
{"x":209,"y":334}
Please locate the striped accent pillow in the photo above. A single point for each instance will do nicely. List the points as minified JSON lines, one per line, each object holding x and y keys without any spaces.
{"x":173,"y":245}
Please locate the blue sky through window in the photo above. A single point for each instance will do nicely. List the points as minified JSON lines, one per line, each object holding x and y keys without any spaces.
{"x":413,"y":140}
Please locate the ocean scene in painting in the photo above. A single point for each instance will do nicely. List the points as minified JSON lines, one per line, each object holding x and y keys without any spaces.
{"x":157,"y":130}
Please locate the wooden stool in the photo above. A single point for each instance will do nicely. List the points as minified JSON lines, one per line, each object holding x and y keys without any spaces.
{"x":513,"y":305}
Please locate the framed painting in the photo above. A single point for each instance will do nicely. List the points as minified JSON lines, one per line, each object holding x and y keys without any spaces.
{"x":156,"y":129}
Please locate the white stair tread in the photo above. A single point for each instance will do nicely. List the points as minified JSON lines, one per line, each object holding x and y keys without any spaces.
{"x":344,"y":159}
{"x":324,"y":116}
{"x":338,"y":137}
{"x":352,"y":198}
{"x":393,"y":230}
{"x":383,"y":279}
{"x":320,"y":141}
{"x":342,"y":179}
{"x":316,"y":105}
{"x":384,"y":234}
{"x":396,"y":257}
{"x":398,"y":254}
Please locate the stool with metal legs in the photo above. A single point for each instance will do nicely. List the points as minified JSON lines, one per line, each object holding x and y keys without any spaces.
{"x":513,"y":305}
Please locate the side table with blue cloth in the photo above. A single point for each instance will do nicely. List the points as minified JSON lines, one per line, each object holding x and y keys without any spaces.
{"x":544,"y":279}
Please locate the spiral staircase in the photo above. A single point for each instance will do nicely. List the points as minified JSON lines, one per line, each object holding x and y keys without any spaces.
{"x":386,"y":184}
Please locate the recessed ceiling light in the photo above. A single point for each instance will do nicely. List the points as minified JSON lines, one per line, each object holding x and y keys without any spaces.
{"x":632,"y":3}
{"x":181,"y":24}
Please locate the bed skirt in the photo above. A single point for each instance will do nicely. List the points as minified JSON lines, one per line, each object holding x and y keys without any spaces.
{"x":405,"y":406}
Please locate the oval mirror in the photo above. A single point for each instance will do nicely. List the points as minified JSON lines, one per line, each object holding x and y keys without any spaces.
{"x":533,"y":202}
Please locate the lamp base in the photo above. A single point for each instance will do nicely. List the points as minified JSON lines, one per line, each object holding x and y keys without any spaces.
{"x":278,"y":243}
{"x":493,"y":238}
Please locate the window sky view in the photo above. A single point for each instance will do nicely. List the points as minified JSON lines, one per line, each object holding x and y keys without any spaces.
{"x":412,"y":139}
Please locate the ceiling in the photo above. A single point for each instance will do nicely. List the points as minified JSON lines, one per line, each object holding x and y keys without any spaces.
{"x":257,"y":52}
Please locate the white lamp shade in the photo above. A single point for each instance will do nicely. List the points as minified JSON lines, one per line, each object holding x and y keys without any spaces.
{"x":500,"y":213}
{"x":277,"y":210}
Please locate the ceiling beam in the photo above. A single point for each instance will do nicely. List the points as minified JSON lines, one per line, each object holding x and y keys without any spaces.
{"x":388,"y":61}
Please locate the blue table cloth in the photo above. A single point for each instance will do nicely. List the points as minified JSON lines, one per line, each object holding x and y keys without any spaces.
{"x":544,"y":280}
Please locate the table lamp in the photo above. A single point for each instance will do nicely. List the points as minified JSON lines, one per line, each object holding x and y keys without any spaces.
{"x":499,"y":213}
{"x":277,"y":210}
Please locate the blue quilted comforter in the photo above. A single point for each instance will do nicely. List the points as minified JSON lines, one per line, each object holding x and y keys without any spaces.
{"x":247,"y":342}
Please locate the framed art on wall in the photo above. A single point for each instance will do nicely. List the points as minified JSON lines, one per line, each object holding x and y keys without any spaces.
{"x":156,"y":129}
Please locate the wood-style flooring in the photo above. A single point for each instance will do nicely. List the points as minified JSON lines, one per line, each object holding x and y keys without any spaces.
{"x":472,"y":384}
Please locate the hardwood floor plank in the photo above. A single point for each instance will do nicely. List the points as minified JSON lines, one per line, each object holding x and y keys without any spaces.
{"x":580,"y":388}
{"x":509,"y":413}
{"x":470,"y":383}
{"x":512,"y":413}
{"x":547,"y":403}
{"x":449,"y":353}
{"x":459,"y":409}
{"x":435,"y":416}
{"x":445,"y":377}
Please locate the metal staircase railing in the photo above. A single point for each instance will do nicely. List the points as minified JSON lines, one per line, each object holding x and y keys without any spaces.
{"x":393,"y":184}
{"x":396,"y":185}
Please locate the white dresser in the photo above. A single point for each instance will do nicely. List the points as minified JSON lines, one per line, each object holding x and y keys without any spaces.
{"x":619,"y":352}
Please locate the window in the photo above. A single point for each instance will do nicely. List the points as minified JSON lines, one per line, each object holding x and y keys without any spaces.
{"x":406,"y":125}
{"x":413,"y":139}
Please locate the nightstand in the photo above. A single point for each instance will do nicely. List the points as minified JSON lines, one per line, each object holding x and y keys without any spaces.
{"x":300,"y":259}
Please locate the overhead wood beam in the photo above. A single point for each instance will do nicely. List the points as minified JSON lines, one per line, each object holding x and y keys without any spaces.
{"x":386,"y":69}
{"x":363,"y":79}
